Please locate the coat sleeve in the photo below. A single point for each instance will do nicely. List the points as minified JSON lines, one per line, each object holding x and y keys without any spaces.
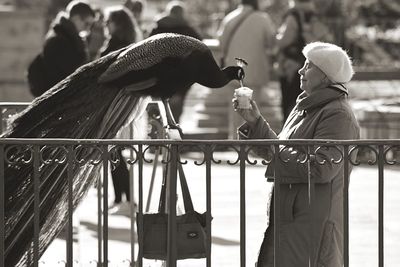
{"x":260,"y":130}
{"x":289,"y":170}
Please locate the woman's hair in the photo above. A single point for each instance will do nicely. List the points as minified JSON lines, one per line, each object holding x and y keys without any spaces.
{"x":125,"y":24}
{"x":253,"y":3}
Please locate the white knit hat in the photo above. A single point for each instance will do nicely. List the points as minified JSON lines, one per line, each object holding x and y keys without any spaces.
{"x":331,"y":59}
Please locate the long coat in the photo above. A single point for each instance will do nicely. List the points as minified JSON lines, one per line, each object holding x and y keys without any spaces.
{"x":63,"y":52}
{"x":323,"y":115}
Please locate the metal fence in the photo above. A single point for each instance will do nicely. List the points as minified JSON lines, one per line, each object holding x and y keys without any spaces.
{"x":39,"y":154}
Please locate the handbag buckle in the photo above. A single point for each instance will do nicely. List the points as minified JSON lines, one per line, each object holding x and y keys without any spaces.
{"x":192,"y":235}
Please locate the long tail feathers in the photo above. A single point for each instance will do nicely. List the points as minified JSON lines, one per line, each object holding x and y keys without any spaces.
{"x":124,"y":109}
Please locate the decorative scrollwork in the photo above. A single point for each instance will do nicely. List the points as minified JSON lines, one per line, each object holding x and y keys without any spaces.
{"x":150,"y":149}
{"x":366,"y":151}
{"x":225,"y":147}
{"x":88,"y":154}
{"x":192,"y":147}
{"x":18,"y":154}
{"x":267,"y":150}
{"x":285,"y":150}
{"x":202,"y":149}
{"x":319,"y":154}
{"x":53,"y":154}
{"x":391,"y":152}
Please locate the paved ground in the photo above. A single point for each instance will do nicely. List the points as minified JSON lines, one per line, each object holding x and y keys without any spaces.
{"x":225,"y":226}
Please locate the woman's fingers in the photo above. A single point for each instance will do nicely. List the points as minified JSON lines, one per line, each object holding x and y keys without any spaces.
{"x":235,"y":104}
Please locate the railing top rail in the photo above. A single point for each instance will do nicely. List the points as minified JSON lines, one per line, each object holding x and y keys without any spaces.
{"x":13,"y":104}
{"x":38,"y":141}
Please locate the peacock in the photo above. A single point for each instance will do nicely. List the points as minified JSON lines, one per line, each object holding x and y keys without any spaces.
{"x":95,"y":102}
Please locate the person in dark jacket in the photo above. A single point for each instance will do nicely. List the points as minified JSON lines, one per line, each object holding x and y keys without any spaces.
{"x":123,"y":30}
{"x":174,"y":21}
{"x":290,"y":41}
{"x":64,"y":50}
{"x":308,"y":237}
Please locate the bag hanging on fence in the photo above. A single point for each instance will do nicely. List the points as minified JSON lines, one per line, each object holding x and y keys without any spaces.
{"x":191,"y":228}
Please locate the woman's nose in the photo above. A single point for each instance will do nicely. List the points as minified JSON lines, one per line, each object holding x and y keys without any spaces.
{"x":301,"y":71}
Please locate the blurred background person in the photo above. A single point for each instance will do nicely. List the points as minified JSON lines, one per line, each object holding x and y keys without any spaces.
{"x":136,"y":7}
{"x":65,"y":48}
{"x":123,"y":31}
{"x":97,"y":36}
{"x":300,"y":26}
{"x":174,"y":21}
{"x":252,"y":40}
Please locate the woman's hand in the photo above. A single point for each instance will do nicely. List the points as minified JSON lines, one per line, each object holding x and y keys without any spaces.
{"x":250,"y":115}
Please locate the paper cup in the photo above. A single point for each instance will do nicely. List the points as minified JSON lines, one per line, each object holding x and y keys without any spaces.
{"x":243,"y":96}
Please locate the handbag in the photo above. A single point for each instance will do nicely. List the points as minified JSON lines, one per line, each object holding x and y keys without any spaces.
{"x":230,"y":36}
{"x":191,"y":228}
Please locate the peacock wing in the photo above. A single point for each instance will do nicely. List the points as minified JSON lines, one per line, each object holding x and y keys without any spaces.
{"x":150,"y":52}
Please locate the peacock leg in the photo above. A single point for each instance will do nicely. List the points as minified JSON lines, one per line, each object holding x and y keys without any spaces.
{"x":170,"y":118}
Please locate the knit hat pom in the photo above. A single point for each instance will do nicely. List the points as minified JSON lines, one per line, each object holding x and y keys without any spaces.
{"x":331,"y":59}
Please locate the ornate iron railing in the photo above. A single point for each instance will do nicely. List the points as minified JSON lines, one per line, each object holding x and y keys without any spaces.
{"x":77,"y":154}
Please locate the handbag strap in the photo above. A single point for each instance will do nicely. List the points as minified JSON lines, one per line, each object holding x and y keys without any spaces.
{"x":233,"y":31}
{"x":187,"y":199}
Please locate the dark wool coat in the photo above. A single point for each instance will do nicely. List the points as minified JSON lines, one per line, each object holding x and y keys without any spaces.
{"x":113,"y":44}
{"x":64,"y":51}
{"x":325,"y":114}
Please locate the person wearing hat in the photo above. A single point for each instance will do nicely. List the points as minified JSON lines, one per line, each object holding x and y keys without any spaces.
{"x":322,"y":111}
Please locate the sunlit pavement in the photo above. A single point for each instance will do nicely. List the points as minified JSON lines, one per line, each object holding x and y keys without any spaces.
{"x":225,"y":225}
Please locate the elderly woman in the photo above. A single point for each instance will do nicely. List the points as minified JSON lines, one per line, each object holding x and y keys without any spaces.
{"x":322,"y":111}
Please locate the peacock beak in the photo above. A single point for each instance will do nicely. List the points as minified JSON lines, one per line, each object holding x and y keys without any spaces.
{"x":241,"y":75}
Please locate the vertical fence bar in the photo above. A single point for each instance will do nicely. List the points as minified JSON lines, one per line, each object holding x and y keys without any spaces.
{"x":70,"y":175}
{"x":36,"y":203}
{"x":99,"y":223}
{"x":1,"y":123}
{"x":311,"y":205}
{"x":380,"y":205}
{"x":2,"y":199}
{"x":276,"y":211}
{"x":208,"y":151}
{"x":242,"y":157}
{"x":346,"y":172}
{"x":132,"y":198}
{"x":105,"y":158}
{"x":140,"y":213}
{"x":171,"y":196}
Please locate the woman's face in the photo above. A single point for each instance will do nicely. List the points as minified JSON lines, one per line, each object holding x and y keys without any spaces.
{"x":312,"y":78}
{"x":110,"y":27}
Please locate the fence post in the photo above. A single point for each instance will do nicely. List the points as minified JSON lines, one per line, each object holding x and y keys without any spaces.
{"x":171,"y":197}
{"x":276,"y":211}
{"x":2,"y":198}
{"x":242,"y":157}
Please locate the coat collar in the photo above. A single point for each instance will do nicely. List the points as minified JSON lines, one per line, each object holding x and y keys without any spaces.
{"x":66,"y":27}
{"x":320,"y":97}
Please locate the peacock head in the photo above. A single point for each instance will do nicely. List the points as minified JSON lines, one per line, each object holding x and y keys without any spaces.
{"x":234,"y":73}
